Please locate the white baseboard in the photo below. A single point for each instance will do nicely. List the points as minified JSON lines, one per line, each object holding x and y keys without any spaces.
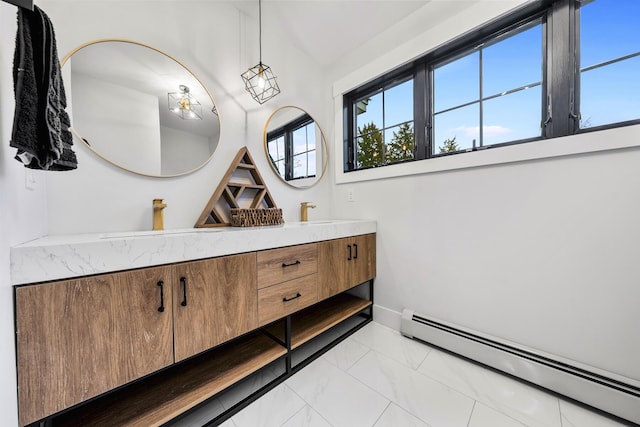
{"x":387,"y":317}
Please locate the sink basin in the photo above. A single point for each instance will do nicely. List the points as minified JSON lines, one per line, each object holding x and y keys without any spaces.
{"x":184,"y":231}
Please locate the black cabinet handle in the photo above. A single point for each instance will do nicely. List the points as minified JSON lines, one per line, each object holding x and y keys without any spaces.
{"x":291,"y":265}
{"x":183,"y":282}
{"x":298,"y":295}
{"x":355,"y":246}
{"x":161,"y":284}
{"x":349,"y":258}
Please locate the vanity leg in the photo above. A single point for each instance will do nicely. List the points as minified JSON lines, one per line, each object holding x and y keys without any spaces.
{"x":287,"y":340}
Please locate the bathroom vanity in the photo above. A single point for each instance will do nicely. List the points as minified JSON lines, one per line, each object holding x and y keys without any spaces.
{"x":147,"y":329}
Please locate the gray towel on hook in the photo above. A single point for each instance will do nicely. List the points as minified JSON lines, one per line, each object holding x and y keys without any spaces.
{"x":41,"y":124}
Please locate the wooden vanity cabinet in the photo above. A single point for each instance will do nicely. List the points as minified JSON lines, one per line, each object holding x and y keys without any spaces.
{"x":345,"y":263}
{"x":155,"y":342}
{"x":79,"y":338}
{"x":215,"y":300}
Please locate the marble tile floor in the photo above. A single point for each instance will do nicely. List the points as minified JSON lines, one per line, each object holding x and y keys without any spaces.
{"x":377,"y":377}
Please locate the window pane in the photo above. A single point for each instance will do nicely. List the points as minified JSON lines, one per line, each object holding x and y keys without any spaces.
{"x":610,"y":94}
{"x":513,"y":62}
{"x":273,"y":150}
{"x":300,"y":166}
{"x":311,"y":163}
{"x":461,"y":126}
{"x":276,"y":148}
{"x":369,"y":111}
{"x":398,"y":104}
{"x":512,"y":117}
{"x":608,"y":30}
{"x":280,"y":167}
{"x":399,"y":142}
{"x":457,"y":82}
{"x":311,"y":136}
{"x":300,"y":140}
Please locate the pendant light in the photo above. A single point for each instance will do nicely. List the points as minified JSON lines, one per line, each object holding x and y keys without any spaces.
{"x":259,"y":79}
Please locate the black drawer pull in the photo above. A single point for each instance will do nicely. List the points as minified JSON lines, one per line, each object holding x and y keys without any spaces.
{"x":298,"y":295}
{"x":161,"y":284}
{"x":355,"y":246}
{"x":291,"y":265}
{"x":183,"y":282}
{"x":350,"y":257}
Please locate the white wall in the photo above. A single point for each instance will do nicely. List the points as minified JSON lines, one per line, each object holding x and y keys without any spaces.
{"x":182,"y":151}
{"x":112,"y":116}
{"x":541,"y":252}
{"x":22,"y":214}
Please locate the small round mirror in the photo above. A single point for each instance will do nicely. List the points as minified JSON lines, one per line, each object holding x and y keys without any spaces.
{"x":295,"y":146}
{"x":139,"y":108}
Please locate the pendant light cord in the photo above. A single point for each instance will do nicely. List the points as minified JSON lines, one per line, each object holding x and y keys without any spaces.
{"x":260,"y":27}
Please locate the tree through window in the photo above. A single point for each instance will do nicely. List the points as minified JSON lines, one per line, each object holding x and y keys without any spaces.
{"x":384,"y":126}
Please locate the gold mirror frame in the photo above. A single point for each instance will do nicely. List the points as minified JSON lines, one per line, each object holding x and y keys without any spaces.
{"x":171,"y":58}
{"x":324,"y":148}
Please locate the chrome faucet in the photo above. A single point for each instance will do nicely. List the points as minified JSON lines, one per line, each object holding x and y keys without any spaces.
{"x":158,"y":215}
{"x":304,"y":209}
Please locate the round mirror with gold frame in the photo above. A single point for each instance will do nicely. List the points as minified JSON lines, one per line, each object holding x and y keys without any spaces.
{"x":140,"y":108}
{"x":295,"y":146}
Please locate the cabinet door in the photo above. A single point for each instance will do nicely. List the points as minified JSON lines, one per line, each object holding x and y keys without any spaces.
{"x":363,"y":264}
{"x":215,"y":300}
{"x":333,"y":267}
{"x":345,"y":263}
{"x":79,"y":338}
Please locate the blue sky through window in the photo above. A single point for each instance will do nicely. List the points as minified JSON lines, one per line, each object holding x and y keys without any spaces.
{"x":609,"y":29}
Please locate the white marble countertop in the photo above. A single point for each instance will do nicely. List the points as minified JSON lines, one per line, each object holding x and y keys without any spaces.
{"x":67,"y":256}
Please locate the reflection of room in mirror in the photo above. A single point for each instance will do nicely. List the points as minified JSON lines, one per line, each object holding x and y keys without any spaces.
{"x":295,"y":146}
{"x":118,"y":96}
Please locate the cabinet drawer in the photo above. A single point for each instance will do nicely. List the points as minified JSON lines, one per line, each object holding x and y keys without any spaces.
{"x":280,"y":300}
{"x":283,"y":264}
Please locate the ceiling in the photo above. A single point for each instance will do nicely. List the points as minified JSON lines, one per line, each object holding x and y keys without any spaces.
{"x":328,"y":29}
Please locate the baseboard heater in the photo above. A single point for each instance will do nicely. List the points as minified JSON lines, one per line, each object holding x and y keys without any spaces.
{"x":600,"y":389}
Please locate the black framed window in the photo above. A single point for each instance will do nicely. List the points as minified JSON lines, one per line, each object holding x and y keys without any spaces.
{"x":292,"y":148}
{"x":550,"y":68}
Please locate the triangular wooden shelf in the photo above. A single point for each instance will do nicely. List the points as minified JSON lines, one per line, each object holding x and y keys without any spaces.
{"x":231,"y":192}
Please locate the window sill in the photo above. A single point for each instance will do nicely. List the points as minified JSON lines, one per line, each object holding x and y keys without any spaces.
{"x":592,"y":142}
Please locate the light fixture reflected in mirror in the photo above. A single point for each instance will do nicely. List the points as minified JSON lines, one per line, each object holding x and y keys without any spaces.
{"x":185,"y":105}
{"x":259,"y":79}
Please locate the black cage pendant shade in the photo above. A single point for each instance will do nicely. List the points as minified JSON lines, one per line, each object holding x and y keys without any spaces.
{"x":259,"y":79}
